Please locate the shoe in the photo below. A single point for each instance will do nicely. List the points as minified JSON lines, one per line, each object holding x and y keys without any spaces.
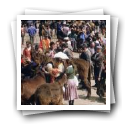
{"x":94,"y":85}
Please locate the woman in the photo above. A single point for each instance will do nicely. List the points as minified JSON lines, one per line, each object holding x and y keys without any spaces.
{"x":71,"y":88}
{"x":60,"y":68}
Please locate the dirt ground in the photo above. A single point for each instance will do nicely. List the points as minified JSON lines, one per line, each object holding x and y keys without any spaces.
{"x":82,"y":100}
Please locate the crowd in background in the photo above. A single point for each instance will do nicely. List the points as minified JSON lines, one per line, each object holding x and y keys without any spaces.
{"x":88,"y":38}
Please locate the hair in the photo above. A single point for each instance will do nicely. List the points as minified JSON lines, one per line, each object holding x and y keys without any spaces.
{"x":64,"y":45}
{"x":52,"y":43}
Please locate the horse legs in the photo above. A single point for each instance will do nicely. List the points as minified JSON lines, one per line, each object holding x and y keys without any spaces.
{"x":88,"y":87}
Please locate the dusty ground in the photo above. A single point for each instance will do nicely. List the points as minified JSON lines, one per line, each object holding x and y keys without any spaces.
{"x":93,"y":100}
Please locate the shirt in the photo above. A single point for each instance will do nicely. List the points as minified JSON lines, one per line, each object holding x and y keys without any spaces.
{"x":65,"y":30}
{"x":92,"y":50}
{"x":27,"y":53}
{"x":45,"y":44}
{"x":31,"y":31}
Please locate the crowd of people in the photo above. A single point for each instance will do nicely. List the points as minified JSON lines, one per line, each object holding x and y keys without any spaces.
{"x":88,"y":38}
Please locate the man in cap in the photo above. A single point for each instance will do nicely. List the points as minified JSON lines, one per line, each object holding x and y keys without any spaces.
{"x":98,"y":59}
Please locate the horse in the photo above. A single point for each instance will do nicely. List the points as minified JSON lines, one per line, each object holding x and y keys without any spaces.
{"x":83,"y":68}
{"x":49,"y":93}
{"x":29,"y":86}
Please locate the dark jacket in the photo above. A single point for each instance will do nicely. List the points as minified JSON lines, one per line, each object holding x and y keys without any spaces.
{"x":98,"y":59}
{"x":85,"y":56}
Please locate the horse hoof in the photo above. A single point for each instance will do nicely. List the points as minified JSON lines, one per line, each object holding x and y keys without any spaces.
{"x":88,"y":96}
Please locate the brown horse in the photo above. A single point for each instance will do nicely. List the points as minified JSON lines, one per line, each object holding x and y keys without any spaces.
{"x":29,"y":86}
{"x":84,"y":71}
{"x":50,"y":94}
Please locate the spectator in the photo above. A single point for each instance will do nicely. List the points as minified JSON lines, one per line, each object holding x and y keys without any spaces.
{"x":32,"y":32}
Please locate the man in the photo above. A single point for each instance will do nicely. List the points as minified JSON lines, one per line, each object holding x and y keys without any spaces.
{"x":86,"y":55}
{"x":48,"y":31}
{"x":73,"y":38}
{"x":92,"y":48}
{"x":23,"y":31}
{"x":27,"y":51}
{"x":59,"y":29}
{"x":32,"y":32}
{"x":68,"y":42}
{"x":65,"y":29}
{"x":98,"y":58}
{"x":46,"y":43}
{"x":67,"y":51}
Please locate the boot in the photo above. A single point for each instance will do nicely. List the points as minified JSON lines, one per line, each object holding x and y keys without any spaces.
{"x":70,"y":102}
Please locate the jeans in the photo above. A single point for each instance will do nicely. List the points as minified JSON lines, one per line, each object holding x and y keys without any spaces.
{"x":22,"y":38}
{"x":96,"y":73}
{"x":73,"y":43}
{"x":32,"y":39}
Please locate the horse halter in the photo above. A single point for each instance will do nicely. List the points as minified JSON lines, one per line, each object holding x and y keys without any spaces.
{"x":59,"y":83}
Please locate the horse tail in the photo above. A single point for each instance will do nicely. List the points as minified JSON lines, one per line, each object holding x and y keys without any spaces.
{"x":89,"y":73}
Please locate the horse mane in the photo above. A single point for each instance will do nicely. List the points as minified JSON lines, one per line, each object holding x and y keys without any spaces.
{"x":40,"y":73}
{"x":62,"y":79}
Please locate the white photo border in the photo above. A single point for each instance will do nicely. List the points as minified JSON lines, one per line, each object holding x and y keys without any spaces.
{"x":63,"y":107}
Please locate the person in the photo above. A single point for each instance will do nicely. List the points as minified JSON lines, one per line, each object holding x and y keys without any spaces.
{"x":68,"y":42}
{"x":65,"y":29}
{"x":48,"y":32}
{"x":71,"y":87}
{"x":27,"y":51}
{"x":32,"y":32}
{"x":23,"y":31}
{"x":60,"y":66}
{"x":73,"y":38}
{"x":50,"y":72}
{"x":45,"y":43}
{"x":101,"y":88}
{"x":52,"y":49}
{"x":40,"y":31}
{"x":59,"y":29}
{"x":82,"y":35}
{"x":86,"y":55}
{"x":29,"y":22}
{"x":92,"y":48}
{"x":67,"y":51}
{"x":97,"y":58}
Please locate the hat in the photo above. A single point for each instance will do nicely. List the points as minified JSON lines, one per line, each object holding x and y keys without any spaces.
{"x":99,"y":47}
{"x":66,"y":38}
{"x":49,"y":66}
